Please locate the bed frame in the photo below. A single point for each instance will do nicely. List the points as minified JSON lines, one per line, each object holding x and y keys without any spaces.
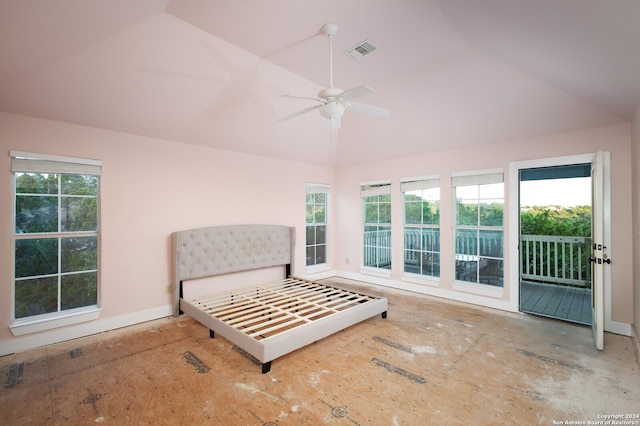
{"x":269,"y":320}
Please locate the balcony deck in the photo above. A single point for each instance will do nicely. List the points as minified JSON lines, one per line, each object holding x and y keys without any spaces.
{"x":555,"y":273}
{"x":556,"y":301}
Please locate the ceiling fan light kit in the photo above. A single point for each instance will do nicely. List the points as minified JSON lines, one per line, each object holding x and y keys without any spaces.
{"x":332,"y":110}
{"x":333,"y":102}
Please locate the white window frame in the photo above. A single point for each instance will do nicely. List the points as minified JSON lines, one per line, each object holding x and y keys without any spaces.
{"x":467,"y":178}
{"x":381,"y":187}
{"x":413,"y":184}
{"x":318,"y":188}
{"x":26,"y":162}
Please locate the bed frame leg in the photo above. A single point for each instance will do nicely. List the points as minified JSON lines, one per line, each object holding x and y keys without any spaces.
{"x":212,"y":334}
{"x":266,"y":367}
{"x":384,"y":314}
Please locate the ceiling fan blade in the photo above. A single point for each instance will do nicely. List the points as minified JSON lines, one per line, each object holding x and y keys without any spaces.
{"x":303,"y":97}
{"x":355,"y":92}
{"x":369,"y":110}
{"x":297,"y":113}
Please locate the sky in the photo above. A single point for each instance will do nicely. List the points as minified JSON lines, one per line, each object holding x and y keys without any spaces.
{"x":552,"y":192}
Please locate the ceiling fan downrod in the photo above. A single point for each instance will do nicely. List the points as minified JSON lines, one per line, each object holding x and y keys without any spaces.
{"x":330,"y":30}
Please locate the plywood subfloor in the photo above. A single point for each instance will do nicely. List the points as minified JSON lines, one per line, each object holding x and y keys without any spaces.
{"x":429,"y":362}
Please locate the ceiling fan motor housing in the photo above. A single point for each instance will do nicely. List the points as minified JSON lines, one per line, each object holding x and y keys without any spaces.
{"x":329,"y":29}
{"x":329,"y":92}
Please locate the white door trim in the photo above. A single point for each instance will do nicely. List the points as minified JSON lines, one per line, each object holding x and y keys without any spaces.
{"x":609,"y":325}
{"x":514,"y":212}
{"x":514,"y":270}
{"x":598,"y":250}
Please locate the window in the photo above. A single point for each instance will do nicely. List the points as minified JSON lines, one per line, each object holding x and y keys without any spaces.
{"x":56,"y":235}
{"x":376,"y":201}
{"x":422,"y":226}
{"x":317,"y":209}
{"x":479,"y":234}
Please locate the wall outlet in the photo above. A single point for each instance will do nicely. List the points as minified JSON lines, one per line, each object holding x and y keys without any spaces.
{"x":169,"y":289}
{"x":346,"y":260}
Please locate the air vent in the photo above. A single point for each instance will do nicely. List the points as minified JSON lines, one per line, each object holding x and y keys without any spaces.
{"x":361,"y":50}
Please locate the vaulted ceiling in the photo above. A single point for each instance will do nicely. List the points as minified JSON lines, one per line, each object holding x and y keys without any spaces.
{"x":454,"y":73}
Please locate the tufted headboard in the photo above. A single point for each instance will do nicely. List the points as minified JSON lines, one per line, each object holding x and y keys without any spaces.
{"x":218,"y":250}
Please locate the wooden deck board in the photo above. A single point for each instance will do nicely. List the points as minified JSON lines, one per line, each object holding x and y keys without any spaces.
{"x":566,"y":303}
{"x":557,"y":301}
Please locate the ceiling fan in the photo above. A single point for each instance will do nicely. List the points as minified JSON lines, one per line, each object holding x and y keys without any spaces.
{"x":333,"y":102}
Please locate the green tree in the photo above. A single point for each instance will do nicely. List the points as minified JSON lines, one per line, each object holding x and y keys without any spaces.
{"x":420,"y":211}
{"x":556,"y":220}
{"x":54,"y":204}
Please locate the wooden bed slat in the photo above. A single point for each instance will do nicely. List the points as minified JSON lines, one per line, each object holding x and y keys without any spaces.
{"x":268,"y":309}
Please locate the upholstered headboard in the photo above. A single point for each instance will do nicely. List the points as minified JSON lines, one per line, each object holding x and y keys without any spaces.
{"x":219,"y":250}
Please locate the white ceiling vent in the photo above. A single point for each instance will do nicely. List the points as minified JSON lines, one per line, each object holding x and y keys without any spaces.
{"x":361,"y":50}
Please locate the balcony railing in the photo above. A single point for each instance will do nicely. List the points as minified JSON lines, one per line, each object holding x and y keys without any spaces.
{"x":543,"y":258}
{"x":377,"y":249}
{"x":561,"y":260}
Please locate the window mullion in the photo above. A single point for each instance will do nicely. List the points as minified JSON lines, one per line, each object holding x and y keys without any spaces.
{"x":59,"y":203}
{"x":59,"y":274}
{"x":59,"y":242}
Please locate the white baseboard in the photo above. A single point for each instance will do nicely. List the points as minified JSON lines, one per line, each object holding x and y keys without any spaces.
{"x":430,"y":290}
{"x":617,"y":327}
{"x":459,"y":296}
{"x":33,"y":341}
{"x":318,"y":275}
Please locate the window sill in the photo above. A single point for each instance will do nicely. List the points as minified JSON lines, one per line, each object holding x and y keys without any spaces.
{"x":314,"y":269}
{"x":377,"y":272}
{"x":480,"y":289}
{"x":49,"y":322}
{"x":420,"y":279}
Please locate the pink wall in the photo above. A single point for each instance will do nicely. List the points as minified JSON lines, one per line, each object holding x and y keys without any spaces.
{"x":151,"y":188}
{"x":615,"y":139}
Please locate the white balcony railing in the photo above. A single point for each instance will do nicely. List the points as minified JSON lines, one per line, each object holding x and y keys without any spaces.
{"x":562,"y":260}
{"x":545,"y":258}
{"x":377,"y":249}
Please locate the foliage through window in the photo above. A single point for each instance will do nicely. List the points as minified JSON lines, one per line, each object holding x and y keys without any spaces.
{"x":422,"y":227}
{"x":376,"y":200}
{"x":317,"y":208}
{"x":479,"y":233}
{"x":55,"y":236}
